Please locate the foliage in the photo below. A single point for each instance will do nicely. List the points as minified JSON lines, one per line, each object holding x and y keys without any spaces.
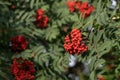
{"x":101,"y":32}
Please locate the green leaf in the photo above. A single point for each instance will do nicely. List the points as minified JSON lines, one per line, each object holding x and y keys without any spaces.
{"x":32,"y":4}
{"x":98,"y":36}
{"x":45,"y":7}
{"x":52,"y":33}
{"x":92,"y":75}
{"x":92,"y":63}
{"x":99,"y":62}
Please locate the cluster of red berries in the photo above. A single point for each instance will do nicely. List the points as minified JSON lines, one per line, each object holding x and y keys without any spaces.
{"x":18,"y":43}
{"x":73,"y":42}
{"x":41,"y":19}
{"x":82,"y":7}
{"x":22,"y":69}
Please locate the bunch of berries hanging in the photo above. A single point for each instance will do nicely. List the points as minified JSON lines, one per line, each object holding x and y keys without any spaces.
{"x":73,"y":42}
{"x":41,"y":19}
{"x":18,"y":43}
{"x":83,"y":7}
{"x":22,"y":69}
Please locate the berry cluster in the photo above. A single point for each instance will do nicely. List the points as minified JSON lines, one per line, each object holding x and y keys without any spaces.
{"x":71,"y":5}
{"x":73,"y":43}
{"x":22,"y":69}
{"x":18,"y":43}
{"x":41,"y":19}
{"x":82,"y":7}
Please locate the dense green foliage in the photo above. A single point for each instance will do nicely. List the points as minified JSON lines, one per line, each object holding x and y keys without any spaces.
{"x":46,"y":45}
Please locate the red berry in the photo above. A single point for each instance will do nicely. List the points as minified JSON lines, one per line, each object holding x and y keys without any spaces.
{"x":71,"y":5}
{"x":41,"y":19}
{"x":22,"y":69}
{"x":18,"y":43}
{"x":83,"y":7}
{"x":73,"y":43}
